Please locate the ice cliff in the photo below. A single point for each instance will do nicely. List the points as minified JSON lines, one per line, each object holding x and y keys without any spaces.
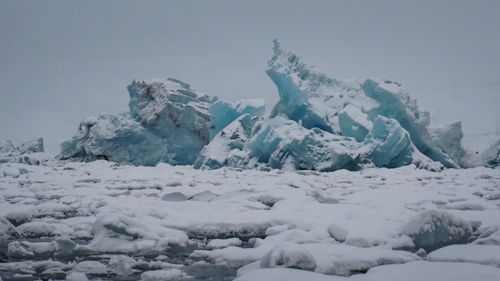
{"x":319,"y":123}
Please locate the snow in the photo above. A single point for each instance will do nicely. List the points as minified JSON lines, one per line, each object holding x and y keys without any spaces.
{"x":109,"y":220}
{"x":481,"y":254}
{"x":163,"y":275}
{"x":289,"y":254}
{"x":432,"y":271}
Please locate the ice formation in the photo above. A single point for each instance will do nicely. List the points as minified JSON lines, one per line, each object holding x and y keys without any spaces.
{"x":29,"y":152}
{"x":168,"y":122}
{"x":223,"y":113}
{"x":328,"y":124}
{"x":319,"y":123}
{"x":491,"y":156}
{"x":434,"y":229}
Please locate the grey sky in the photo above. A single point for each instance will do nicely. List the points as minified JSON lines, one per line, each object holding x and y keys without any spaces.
{"x":61,"y":61}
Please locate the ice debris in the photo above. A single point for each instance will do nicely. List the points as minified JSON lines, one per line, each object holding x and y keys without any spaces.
{"x":319,"y":123}
{"x":491,"y":156}
{"x":289,"y":254}
{"x":29,"y":152}
{"x":433,"y":229}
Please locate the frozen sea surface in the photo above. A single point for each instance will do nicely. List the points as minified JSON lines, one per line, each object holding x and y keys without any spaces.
{"x":103,"y":221}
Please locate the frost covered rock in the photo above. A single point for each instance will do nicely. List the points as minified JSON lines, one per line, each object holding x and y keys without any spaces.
{"x":289,"y":254}
{"x":434,"y":229}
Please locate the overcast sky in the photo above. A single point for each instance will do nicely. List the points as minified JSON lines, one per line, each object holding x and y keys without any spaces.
{"x":61,"y":61}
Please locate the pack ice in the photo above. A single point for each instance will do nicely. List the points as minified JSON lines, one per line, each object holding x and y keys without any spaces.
{"x":29,"y":152}
{"x":319,"y":123}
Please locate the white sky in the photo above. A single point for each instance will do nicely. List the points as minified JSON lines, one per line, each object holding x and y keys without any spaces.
{"x":61,"y":61}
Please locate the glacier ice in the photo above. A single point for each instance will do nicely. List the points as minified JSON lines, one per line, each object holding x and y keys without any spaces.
{"x":171,"y":110}
{"x":117,"y":138}
{"x":168,"y":122}
{"x":223,"y":113}
{"x":319,"y":123}
{"x":327,"y":124}
{"x":354,"y":123}
{"x":322,"y":102}
{"x":226,"y":147}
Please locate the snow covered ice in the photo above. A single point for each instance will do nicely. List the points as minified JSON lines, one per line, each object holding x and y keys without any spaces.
{"x":344,"y":180}
{"x":104,"y":221}
{"x":168,"y":122}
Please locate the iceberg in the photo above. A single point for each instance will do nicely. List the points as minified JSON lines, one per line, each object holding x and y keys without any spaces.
{"x":118,"y":138}
{"x":337,"y":106}
{"x":319,"y":123}
{"x":326,"y":124}
{"x":168,"y":122}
